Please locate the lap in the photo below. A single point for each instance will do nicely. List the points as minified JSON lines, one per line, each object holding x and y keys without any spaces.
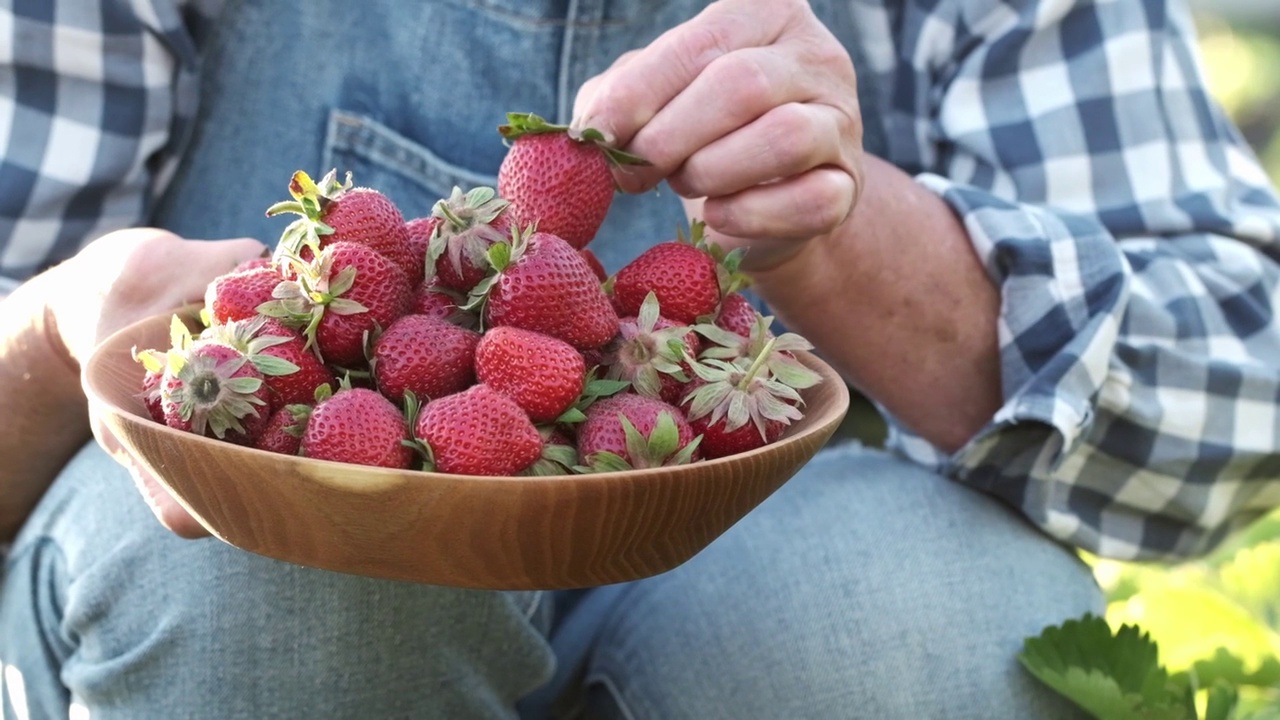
{"x":865,"y":587}
{"x":102,"y":606}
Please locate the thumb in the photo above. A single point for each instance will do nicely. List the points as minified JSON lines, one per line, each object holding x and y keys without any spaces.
{"x":205,"y":260}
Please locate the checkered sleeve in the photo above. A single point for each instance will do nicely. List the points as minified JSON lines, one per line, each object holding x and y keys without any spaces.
{"x":1135,"y":242}
{"x":93,"y":99}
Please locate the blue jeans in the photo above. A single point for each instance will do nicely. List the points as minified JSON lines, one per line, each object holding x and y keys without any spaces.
{"x":865,"y":587}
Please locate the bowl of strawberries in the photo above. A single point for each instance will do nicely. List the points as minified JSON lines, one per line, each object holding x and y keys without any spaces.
{"x":466,"y":399}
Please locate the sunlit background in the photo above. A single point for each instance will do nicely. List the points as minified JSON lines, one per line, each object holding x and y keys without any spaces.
{"x":1231,"y":600}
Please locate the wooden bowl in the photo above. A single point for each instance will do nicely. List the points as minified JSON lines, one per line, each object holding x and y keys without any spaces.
{"x":479,"y":532}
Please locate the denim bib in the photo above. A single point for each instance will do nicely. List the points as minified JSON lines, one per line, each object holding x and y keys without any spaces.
{"x":407,"y":96}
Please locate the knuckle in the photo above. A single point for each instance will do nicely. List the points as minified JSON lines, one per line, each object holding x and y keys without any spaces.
{"x":743,"y":74}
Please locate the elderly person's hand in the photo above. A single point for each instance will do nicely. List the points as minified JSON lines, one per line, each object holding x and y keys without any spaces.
{"x":121,"y":278}
{"x":750,"y":113}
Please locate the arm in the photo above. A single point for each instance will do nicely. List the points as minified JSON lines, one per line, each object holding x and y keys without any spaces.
{"x":40,"y":392}
{"x":67,"y":179}
{"x":1131,"y":256}
{"x":50,"y":326}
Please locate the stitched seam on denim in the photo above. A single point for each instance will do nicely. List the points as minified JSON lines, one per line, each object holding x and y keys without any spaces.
{"x":610,"y":687}
{"x":367,"y":138}
{"x":25,"y":549}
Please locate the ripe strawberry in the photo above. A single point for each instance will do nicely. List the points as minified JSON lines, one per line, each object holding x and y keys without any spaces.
{"x":688,"y":275}
{"x":742,"y":405}
{"x":419,"y":232}
{"x":154,"y":363}
{"x":237,"y":295}
{"x":283,"y":433}
{"x":255,"y":263}
{"x":213,"y":390}
{"x":424,"y":355}
{"x":429,"y":298}
{"x":633,"y":431}
{"x":650,"y":353}
{"x":357,"y":425}
{"x":345,"y":292}
{"x":543,"y":284}
{"x":597,"y":267}
{"x":559,"y":455}
{"x":478,"y":431}
{"x":544,"y":375}
{"x":468,"y":225}
{"x":291,"y":372}
{"x":737,"y":314}
{"x":557,"y":179}
{"x":337,"y":212}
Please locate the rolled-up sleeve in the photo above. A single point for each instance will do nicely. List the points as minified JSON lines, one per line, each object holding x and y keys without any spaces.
{"x":1134,"y":241}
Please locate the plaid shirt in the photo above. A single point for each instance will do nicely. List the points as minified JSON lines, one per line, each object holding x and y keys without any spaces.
{"x":1133,"y":236}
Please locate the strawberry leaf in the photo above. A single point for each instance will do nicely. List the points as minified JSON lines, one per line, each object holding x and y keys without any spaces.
{"x":1112,"y":676}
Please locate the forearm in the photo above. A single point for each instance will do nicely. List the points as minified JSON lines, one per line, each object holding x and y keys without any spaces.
{"x":40,"y":397}
{"x":898,"y":302}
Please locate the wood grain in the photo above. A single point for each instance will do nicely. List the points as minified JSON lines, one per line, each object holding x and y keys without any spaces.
{"x":477,"y":532}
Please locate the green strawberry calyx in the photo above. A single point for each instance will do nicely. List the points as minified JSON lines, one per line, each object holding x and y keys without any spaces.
{"x":519,"y":125}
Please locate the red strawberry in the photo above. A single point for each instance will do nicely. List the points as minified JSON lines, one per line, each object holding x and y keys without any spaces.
{"x":633,"y":431}
{"x":237,"y":295}
{"x":424,"y":355}
{"x":283,"y":433}
{"x":688,"y":276}
{"x":279,"y":352}
{"x":357,"y":425}
{"x":347,"y":291}
{"x":650,"y":352}
{"x":337,"y":212}
{"x":544,"y":375}
{"x":737,"y":314}
{"x":419,"y":231}
{"x":597,"y":267}
{"x":558,"y":180}
{"x":212,"y":389}
{"x":468,"y":225}
{"x":543,"y":284}
{"x":429,"y":298}
{"x":744,"y":404}
{"x":154,"y":361}
{"x":478,"y":431}
{"x":719,"y":441}
{"x":559,"y":455}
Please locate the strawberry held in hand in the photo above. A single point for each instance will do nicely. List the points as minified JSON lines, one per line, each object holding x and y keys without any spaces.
{"x":556,"y":180}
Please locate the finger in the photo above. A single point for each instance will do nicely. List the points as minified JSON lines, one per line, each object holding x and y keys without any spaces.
{"x":167,"y":510}
{"x":788,"y":140}
{"x":627,"y":98}
{"x":586,"y":94}
{"x":739,"y":88}
{"x":202,"y":261}
{"x":800,"y":207}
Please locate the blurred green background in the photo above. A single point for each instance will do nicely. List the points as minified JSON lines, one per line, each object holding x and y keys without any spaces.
{"x":1230,"y":600}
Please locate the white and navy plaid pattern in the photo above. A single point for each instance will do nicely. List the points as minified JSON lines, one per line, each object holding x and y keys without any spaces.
{"x":1135,"y":241}
{"x":1133,"y":235}
{"x":94,"y":98}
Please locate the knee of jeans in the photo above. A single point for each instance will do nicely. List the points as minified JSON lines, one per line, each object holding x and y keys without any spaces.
{"x":879,"y":591}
